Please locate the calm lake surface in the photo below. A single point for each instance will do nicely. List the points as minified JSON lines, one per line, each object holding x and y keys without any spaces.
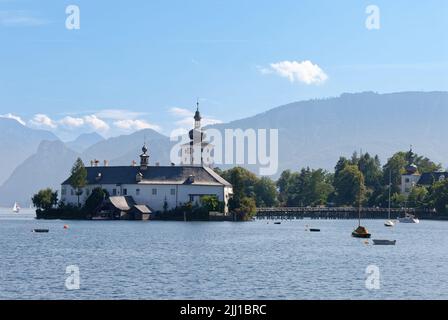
{"x":219,"y":260}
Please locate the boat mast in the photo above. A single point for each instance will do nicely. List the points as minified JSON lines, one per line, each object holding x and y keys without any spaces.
{"x":390,"y":187}
{"x":359,"y":203}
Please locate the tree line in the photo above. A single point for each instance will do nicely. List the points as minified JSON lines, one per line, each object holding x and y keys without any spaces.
{"x":360,"y":179}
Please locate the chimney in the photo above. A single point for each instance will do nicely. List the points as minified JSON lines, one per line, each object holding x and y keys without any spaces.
{"x":91,"y":163}
{"x":106,"y":163}
{"x":157,"y":164}
{"x":133,"y":163}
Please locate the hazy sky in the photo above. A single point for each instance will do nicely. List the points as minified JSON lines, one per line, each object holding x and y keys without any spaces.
{"x":137,"y":64}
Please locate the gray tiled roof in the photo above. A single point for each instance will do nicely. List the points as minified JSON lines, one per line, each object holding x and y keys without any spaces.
{"x":429,"y":178}
{"x":153,"y":175}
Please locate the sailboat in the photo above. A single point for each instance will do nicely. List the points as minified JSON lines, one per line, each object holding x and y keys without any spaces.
{"x":389,"y":222}
{"x":360,"y":232}
{"x":16,"y":208}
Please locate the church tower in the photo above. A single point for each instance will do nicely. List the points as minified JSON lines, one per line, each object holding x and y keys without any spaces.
{"x":197,"y":152}
{"x":412,"y":176}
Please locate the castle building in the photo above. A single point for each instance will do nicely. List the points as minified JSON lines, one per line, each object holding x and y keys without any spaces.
{"x":412,"y":177}
{"x":157,"y":187}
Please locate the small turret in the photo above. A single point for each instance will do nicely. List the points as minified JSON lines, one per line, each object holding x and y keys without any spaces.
{"x":144,"y":158}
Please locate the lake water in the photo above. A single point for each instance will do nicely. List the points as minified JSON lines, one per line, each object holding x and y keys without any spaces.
{"x":219,"y":260}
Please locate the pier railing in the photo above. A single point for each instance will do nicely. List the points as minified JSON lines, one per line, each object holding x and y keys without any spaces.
{"x":338,"y":213}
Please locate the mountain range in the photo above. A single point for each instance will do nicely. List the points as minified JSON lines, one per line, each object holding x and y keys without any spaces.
{"x":312,"y":133}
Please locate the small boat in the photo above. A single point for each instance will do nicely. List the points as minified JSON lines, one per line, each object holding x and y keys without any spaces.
{"x":379,"y":242}
{"x":314,"y":230}
{"x":41,"y":230}
{"x":16,"y":208}
{"x":408,"y":218}
{"x":389,"y":223}
{"x":361,"y":232}
{"x":277,"y":223}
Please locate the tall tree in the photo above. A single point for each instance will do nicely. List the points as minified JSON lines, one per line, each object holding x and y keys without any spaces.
{"x":439,"y":196}
{"x":349,"y":186}
{"x":78,"y":178}
{"x":265,"y":192}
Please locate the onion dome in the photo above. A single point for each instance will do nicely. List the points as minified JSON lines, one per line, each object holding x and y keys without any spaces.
{"x":197,"y":115}
{"x":144,"y":148}
{"x":411,"y":169}
{"x":194,"y":133}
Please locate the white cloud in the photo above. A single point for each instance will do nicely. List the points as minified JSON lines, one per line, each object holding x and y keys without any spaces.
{"x":119,"y":114}
{"x":300,"y":71}
{"x":135,"y":125}
{"x":19,"y":18}
{"x":96,"y":123}
{"x":181,"y":112}
{"x":14,"y":117}
{"x":72,"y":122}
{"x":43,"y":121}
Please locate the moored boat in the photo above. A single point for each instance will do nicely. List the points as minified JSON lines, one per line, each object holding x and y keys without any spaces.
{"x":408,"y":218}
{"x":382,"y":242}
{"x":361,"y":232}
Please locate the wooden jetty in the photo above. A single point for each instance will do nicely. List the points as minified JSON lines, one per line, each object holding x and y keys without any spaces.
{"x":337,"y":213}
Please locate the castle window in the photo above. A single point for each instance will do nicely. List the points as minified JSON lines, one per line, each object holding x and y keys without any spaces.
{"x":137,"y":192}
{"x":114,"y":192}
{"x":125,"y":192}
{"x":173,"y":192}
{"x":407,"y":180}
{"x":72,"y":192}
{"x":64,"y":191}
{"x":154,"y":191}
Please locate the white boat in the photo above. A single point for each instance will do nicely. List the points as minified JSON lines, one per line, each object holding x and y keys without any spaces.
{"x":389,"y":222}
{"x":409,"y":218}
{"x":16,"y":208}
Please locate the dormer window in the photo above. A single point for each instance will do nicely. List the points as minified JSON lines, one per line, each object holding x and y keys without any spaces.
{"x":190,"y":179}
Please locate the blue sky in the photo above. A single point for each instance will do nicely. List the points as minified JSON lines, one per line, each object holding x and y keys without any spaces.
{"x":136,"y":64}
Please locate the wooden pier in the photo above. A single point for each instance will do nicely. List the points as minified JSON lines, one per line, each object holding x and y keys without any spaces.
{"x":337,"y":213}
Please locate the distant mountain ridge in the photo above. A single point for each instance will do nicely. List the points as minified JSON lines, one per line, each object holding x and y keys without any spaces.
{"x":84,"y":141}
{"x":312,"y":133}
{"x":316,"y":132}
{"x":18,"y":142}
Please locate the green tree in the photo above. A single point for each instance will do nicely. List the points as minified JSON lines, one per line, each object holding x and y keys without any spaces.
{"x":266,"y":193}
{"x":212,"y":203}
{"x":396,"y":166}
{"x":349,"y":186}
{"x":243,"y":182}
{"x":439,"y":196}
{"x":306,"y":188}
{"x":247,"y":208}
{"x":45,"y":199}
{"x":418,"y":197}
{"x":284,"y":185}
{"x":78,"y":178}
{"x":95,"y":199}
